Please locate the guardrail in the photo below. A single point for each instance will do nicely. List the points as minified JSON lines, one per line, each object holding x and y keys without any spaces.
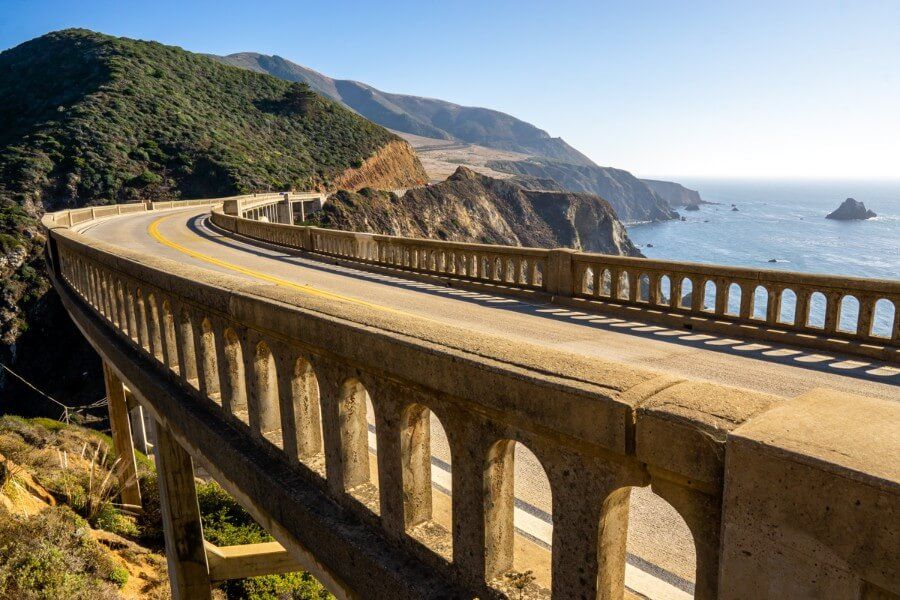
{"x":291,"y":376}
{"x":826,"y":312}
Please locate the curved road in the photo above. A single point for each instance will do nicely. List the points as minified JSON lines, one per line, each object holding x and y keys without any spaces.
{"x":661,"y":559}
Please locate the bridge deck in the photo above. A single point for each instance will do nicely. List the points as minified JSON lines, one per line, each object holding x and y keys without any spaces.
{"x":658,"y":541}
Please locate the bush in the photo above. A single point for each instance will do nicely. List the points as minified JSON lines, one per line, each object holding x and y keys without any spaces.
{"x":52,"y":556}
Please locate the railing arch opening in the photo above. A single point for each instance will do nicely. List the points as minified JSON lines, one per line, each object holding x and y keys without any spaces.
{"x":606,"y":283}
{"x":587,"y":282}
{"x":709,"y":296}
{"x":643,"y":289}
{"x":359,"y":444}
{"x":518,"y":516}
{"x":760,"y":308}
{"x":818,"y":306}
{"x":848,"y":314}
{"x":665,"y":290}
{"x":624,"y":286}
{"x":306,"y":412}
{"x":263,"y":405}
{"x":733,"y":303}
{"x":427,"y":487}
{"x":787,"y":312}
{"x":884,"y":318}
{"x":687,"y":293}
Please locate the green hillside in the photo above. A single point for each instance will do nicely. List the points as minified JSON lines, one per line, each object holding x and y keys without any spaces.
{"x":87,"y":118}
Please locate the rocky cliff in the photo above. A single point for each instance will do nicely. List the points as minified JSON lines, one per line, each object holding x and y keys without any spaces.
{"x":393,"y":166}
{"x":630,"y":197}
{"x":472,"y":207}
{"x":674,"y":193}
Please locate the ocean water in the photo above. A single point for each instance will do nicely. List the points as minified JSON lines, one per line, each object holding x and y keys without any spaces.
{"x":785,"y":221}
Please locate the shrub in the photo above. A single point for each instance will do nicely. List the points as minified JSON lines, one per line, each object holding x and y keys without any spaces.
{"x":52,"y":556}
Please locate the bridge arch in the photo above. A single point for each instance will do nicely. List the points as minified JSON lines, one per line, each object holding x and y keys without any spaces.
{"x":356,"y":415}
{"x":207,"y":363}
{"x":307,"y":414}
{"x":710,"y":291}
{"x":818,"y":307}
{"x":735,"y":297}
{"x":232,"y":379}
{"x":505,"y":551}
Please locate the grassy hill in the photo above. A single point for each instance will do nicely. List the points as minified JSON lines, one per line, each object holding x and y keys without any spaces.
{"x":87,"y":118}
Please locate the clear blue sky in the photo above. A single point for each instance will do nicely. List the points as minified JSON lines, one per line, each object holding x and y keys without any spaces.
{"x":759,"y":89}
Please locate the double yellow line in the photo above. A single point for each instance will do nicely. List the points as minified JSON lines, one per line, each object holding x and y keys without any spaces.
{"x":153,"y":231}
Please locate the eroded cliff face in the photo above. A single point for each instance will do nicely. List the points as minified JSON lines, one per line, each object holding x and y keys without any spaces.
{"x":470,"y":207}
{"x":394,"y":165}
{"x":632,"y":200}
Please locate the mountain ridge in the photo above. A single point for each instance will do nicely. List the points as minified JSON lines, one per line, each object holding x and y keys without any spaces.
{"x":418,"y":115}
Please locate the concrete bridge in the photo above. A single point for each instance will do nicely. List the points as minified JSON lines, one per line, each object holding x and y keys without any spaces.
{"x":416,"y":419}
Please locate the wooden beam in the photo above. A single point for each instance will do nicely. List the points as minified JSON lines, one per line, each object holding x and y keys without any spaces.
{"x":249,"y":560}
{"x":185,"y":553}
{"x":126,"y":469}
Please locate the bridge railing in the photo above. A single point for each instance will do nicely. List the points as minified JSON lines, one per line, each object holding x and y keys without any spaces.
{"x":294,"y":375}
{"x":835,"y":313}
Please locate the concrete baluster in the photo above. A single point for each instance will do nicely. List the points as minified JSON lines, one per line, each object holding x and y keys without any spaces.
{"x":676,"y":284}
{"x":832,"y":311}
{"x":187,"y":360}
{"x":866,"y":312}
{"x":143,"y":333}
{"x":722,"y":286}
{"x":773,"y":310}
{"x":801,"y":315}
{"x":232,"y":380}
{"x":154,"y":329}
{"x":205,"y":351}
{"x":469,"y":447}
{"x":747,"y":301}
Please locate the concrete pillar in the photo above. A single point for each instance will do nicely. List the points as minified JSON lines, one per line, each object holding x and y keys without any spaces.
{"x":185,"y":551}
{"x":559,"y":276}
{"x":126,"y":468}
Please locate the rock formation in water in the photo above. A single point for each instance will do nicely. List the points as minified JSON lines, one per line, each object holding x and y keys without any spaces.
{"x":851,"y":210}
{"x":470,"y":207}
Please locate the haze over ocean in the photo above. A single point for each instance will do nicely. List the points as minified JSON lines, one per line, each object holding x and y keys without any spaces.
{"x":785,"y":220}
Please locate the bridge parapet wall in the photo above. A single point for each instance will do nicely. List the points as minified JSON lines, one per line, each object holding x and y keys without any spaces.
{"x":765,"y":304}
{"x":289,"y":375}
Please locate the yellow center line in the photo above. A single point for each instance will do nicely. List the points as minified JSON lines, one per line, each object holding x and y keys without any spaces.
{"x":153,"y":230}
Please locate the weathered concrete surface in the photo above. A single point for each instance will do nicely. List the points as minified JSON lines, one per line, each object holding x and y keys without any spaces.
{"x":812,"y":501}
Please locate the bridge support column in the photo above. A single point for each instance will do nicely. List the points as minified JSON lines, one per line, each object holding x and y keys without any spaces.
{"x":185,"y":549}
{"x":126,"y":468}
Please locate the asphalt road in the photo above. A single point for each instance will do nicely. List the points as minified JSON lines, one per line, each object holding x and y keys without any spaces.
{"x":659,"y":543}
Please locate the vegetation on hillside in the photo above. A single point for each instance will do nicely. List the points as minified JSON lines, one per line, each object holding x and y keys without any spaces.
{"x":87,"y":118}
{"x":59,"y":521}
